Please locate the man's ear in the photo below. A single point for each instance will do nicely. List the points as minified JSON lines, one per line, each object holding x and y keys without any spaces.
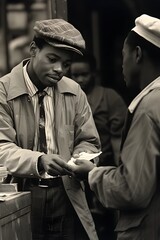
{"x":139,"y":54}
{"x":33,"y":49}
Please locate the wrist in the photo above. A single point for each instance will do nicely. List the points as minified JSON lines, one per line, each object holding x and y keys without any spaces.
{"x":40,"y":164}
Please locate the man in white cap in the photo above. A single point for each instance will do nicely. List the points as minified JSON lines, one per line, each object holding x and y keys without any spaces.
{"x":134,"y":186}
{"x":44,"y":120}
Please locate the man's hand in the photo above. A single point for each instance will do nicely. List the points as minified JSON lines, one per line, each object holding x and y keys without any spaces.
{"x":81,"y":168}
{"x":53,"y":164}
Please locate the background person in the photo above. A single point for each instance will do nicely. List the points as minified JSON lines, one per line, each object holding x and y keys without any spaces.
{"x":134,"y":186}
{"x":109,"y":112}
{"x":107,"y":106}
{"x":18,"y":50}
{"x":44,"y":120}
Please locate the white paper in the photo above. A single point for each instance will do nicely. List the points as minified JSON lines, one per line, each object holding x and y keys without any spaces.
{"x":84,"y":156}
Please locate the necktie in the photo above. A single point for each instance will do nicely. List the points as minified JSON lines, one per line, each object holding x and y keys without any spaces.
{"x":42,"y":135}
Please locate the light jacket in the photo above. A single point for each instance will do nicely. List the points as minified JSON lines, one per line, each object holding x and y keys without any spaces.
{"x":134,"y":187}
{"x":74,"y":130}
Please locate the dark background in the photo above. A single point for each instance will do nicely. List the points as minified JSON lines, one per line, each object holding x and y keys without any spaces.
{"x":115,"y":19}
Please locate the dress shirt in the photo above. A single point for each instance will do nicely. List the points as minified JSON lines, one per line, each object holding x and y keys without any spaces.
{"x":49,"y":115}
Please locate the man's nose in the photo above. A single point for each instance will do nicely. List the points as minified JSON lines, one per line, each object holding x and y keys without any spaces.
{"x":58,"y":67}
{"x":79,"y":79}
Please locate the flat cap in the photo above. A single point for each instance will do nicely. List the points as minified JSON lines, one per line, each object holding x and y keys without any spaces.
{"x":60,"y":33}
{"x":149,"y":28}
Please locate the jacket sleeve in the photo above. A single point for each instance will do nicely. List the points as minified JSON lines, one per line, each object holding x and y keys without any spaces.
{"x":19,"y":162}
{"x":133,"y":183}
{"x":86,"y":135}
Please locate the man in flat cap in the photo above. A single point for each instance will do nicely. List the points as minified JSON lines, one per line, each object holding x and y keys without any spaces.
{"x":134,"y":186}
{"x":44,"y":120}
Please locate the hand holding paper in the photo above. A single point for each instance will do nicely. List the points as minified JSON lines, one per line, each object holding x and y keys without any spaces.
{"x":82,"y":165}
{"x":84,"y":156}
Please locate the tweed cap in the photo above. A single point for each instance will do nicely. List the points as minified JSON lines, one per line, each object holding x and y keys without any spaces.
{"x":149,"y":28}
{"x":59,"y":33}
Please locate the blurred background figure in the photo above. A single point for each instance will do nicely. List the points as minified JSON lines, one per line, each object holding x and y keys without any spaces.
{"x":107,"y":106}
{"x":19,"y":49}
{"x":108,"y":110}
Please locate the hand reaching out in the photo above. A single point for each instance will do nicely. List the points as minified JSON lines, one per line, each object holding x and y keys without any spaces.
{"x":81,"y":168}
{"x":54,"y":165}
{"x":81,"y":164}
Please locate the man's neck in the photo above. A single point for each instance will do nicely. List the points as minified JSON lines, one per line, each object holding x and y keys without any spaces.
{"x":34,"y":78}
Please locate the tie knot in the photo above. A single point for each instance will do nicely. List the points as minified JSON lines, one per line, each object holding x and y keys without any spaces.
{"x":41,"y":95}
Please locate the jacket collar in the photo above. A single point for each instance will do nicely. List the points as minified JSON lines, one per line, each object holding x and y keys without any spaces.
{"x":153,"y":85}
{"x":17,"y":86}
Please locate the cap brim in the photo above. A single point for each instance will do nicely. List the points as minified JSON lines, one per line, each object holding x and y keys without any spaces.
{"x":59,"y":45}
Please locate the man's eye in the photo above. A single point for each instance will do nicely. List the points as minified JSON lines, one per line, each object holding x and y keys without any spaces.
{"x":52,"y":60}
{"x":76,"y":75}
{"x":67,"y":65}
{"x":85,"y":74}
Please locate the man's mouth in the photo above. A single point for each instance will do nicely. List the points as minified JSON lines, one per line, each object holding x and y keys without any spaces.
{"x":53,"y":77}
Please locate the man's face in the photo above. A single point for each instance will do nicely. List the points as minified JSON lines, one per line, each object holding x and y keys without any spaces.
{"x":50,"y":64}
{"x":130,"y":67}
{"x":81,"y":73}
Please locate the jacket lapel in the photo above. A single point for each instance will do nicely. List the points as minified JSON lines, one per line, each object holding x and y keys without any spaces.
{"x":60,"y":133}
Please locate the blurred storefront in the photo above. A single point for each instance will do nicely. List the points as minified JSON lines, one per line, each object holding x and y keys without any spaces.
{"x":16,"y":26}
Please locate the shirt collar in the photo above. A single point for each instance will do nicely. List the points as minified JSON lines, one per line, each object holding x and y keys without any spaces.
{"x":154,"y":84}
{"x":32,"y":89}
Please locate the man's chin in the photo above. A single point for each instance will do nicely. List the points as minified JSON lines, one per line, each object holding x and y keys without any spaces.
{"x":51,"y":82}
{"x":128,"y":84}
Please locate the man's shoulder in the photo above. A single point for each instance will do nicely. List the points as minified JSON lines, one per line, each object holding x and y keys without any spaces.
{"x":67,"y":85}
{"x":13,"y":83}
{"x":13,"y":73}
{"x":107,"y":92}
{"x":149,"y":105}
{"x":5,"y":82}
{"x":152,"y":99}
